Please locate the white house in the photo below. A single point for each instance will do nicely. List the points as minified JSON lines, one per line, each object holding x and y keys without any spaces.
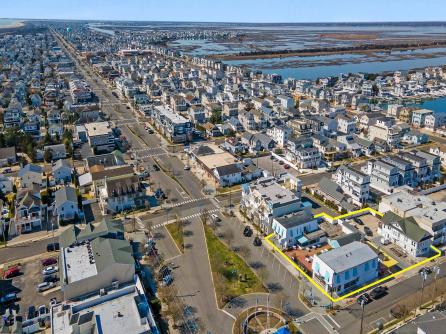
{"x":266,"y":199}
{"x":345,"y":268}
{"x":31,"y":174}
{"x":28,"y":213}
{"x":419,"y":117}
{"x":383,"y":176}
{"x":66,"y":205}
{"x":62,"y":171}
{"x":290,"y":228}
{"x":346,"y":125}
{"x":121,"y":194}
{"x":279,"y":134}
{"x":405,"y":233}
{"x":100,"y":136}
{"x":5,"y":184}
{"x":354,"y":183}
{"x":440,"y":151}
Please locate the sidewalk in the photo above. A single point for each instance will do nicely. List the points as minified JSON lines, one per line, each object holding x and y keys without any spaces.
{"x":33,"y":237}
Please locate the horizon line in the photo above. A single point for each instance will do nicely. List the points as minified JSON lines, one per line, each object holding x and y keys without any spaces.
{"x":223,"y":22}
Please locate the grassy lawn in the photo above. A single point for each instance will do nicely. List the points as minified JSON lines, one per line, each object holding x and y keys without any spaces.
{"x":232,"y":276}
{"x":227,"y":190}
{"x":176,"y":231}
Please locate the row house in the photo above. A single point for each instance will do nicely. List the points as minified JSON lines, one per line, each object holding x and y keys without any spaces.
{"x":355,"y":184}
{"x":267,"y":198}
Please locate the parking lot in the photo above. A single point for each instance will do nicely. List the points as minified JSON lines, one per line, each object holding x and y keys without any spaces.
{"x":26,"y":285}
{"x":394,"y":253}
{"x":273,"y":166}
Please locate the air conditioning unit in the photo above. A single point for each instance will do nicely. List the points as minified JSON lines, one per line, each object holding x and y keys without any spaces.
{"x":115,"y":285}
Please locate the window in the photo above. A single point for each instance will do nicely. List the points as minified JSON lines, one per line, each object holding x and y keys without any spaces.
{"x":373,"y":263}
{"x":347,"y":275}
{"x":366,"y":266}
{"x":355,"y":271}
{"x":338,"y":279}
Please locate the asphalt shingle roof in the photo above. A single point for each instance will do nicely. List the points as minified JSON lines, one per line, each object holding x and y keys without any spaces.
{"x":348,"y":256}
{"x":408,"y":226}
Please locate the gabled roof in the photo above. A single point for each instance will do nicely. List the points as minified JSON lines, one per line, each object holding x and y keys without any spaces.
{"x":30,"y":168}
{"x":408,"y":226}
{"x":91,"y":231}
{"x":110,"y":251}
{"x":65,"y":194}
{"x":228,"y":169}
{"x":61,"y":163}
{"x":203,"y":150}
{"x":7,"y":152}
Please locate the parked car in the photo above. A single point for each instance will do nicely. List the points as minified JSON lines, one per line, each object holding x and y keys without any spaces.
{"x":257,"y":241}
{"x":358,"y":221}
{"x":426,"y":270}
{"x":42,"y":310}
{"x":286,"y":166}
{"x":53,"y":301}
{"x":281,"y":162}
{"x":364,"y":298}
{"x":215,"y":218}
{"x":271,"y":157}
{"x":12,"y":272}
{"x":48,"y":262}
{"x":54,"y":246}
{"x":368,"y":231}
{"x":155,"y":167}
{"x":378,"y":292}
{"x":45,"y":286}
{"x":50,"y":270}
{"x":8,"y":298}
{"x":31,"y":312}
{"x":50,"y":278}
{"x":187,"y":167}
{"x":247,"y":232}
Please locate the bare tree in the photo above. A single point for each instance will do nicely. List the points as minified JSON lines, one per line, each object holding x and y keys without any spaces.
{"x":244,"y":251}
{"x":229,"y":237}
{"x":204,"y":216}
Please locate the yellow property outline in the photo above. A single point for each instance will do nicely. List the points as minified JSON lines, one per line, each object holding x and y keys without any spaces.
{"x":323,"y":214}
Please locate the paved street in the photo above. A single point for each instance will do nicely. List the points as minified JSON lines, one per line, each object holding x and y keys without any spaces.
{"x":22,"y":251}
{"x":379,"y":309}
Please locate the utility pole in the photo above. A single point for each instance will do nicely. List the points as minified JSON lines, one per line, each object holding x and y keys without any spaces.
{"x":436,"y":273}
{"x":362,"y":314}
{"x":423,"y":275}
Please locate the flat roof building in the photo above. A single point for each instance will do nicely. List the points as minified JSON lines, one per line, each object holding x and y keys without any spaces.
{"x":428,"y":213}
{"x":115,"y":310}
{"x":93,"y":265}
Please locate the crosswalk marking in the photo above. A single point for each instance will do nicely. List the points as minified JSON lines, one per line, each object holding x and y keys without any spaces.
{"x":151,"y":155}
{"x":148,"y":149}
{"x":195,"y":215}
{"x":188,"y":201}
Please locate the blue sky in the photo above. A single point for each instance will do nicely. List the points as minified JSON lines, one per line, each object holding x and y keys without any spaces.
{"x":229,"y":10}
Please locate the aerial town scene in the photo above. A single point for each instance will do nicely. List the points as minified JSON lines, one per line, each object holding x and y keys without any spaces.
{"x":233,"y":167}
